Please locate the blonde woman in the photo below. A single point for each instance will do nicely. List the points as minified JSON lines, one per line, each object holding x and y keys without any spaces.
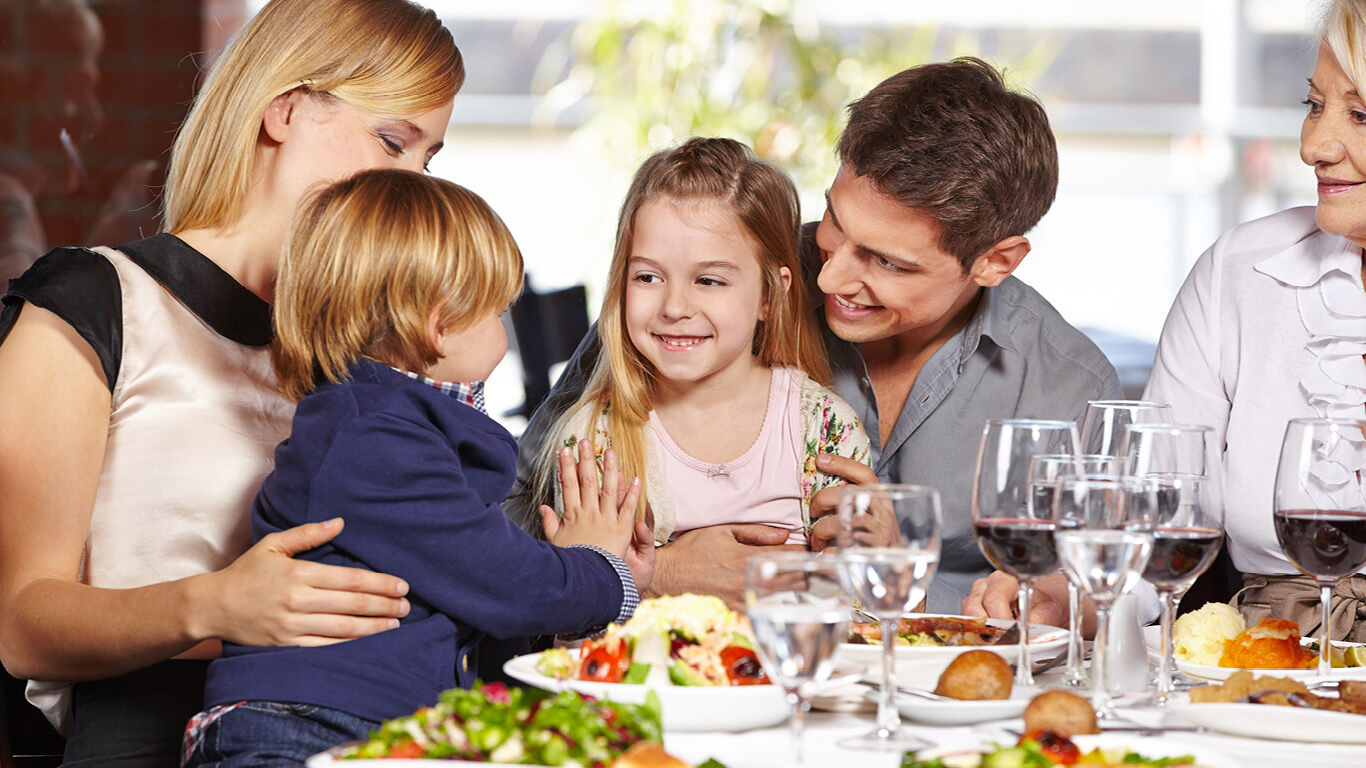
{"x":711,"y":387}
{"x":138,"y":407}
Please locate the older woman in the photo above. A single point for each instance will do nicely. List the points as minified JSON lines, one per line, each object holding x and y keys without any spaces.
{"x":138,"y":410}
{"x":1269,"y":326}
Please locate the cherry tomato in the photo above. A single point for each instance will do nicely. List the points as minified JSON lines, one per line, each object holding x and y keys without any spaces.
{"x":603,"y":663}
{"x":742,"y":666}
{"x":405,"y":748}
{"x":1059,"y":749}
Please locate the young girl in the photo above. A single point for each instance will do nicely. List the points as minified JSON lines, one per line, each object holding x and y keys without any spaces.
{"x":390,"y":288}
{"x":712,"y":382}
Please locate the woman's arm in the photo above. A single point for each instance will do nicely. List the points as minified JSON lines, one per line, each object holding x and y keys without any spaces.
{"x":54,"y":419}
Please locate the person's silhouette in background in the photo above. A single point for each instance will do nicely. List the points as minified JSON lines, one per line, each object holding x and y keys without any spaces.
{"x":49,"y":111}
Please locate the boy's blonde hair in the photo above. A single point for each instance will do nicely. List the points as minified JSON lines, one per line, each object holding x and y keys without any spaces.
{"x":366,"y":263}
{"x":764,"y":202}
{"x":383,"y":57}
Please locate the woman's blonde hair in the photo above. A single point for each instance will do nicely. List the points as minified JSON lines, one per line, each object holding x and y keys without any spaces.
{"x":367,"y":261}
{"x":1344,"y":24}
{"x":764,"y":202}
{"x":383,"y":57}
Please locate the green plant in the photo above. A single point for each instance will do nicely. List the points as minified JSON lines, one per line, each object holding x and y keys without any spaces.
{"x":765,"y":72}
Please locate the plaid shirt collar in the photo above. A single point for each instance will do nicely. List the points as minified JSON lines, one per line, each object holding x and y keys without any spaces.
{"x":469,"y":393}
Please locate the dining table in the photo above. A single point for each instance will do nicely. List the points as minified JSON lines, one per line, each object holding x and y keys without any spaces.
{"x":769,"y":747}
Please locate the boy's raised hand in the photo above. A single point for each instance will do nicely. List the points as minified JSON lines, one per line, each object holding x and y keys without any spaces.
{"x":603,"y":517}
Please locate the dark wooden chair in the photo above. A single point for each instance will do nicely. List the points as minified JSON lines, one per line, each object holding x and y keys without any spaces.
{"x":27,"y":740}
{"x":548,"y":327}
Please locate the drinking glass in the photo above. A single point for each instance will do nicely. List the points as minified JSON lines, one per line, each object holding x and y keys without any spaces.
{"x":1164,"y":449}
{"x":888,"y":537}
{"x":1102,"y":428}
{"x":1044,"y":472}
{"x":1187,"y":534}
{"x":1094,"y":514}
{"x":800,"y":615}
{"x":1320,"y":507}
{"x":1013,"y":533}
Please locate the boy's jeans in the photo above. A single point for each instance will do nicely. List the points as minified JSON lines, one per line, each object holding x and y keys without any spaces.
{"x":268,"y":733}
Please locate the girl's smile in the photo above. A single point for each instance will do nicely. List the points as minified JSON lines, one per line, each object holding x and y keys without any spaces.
{"x":695,"y":292}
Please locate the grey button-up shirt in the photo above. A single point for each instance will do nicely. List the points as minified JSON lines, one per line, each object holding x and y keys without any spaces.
{"x":1016,"y":358}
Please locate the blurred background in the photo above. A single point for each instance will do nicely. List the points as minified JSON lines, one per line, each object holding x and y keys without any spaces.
{"x":1175,"y":119}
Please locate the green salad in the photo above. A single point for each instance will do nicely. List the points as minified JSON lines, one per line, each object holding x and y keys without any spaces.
{"x":498,"y":724}
{"x":1042,"y":749}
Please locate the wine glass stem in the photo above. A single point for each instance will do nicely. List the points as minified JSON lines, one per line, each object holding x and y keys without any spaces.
{"x":1325,"y":639}
{"x":888,"y":720}
{"x":799,"y":706}
{"x":1100,"y":662}
{"x":1076,"y":667}
{"x":1024,"y":676}
{"x":1164,"y":667}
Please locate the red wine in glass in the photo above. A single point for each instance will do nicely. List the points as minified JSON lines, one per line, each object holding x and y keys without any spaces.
{"x":1180,"y":555}
{"x":1324,"y":543}
{"x":1022,"y":547}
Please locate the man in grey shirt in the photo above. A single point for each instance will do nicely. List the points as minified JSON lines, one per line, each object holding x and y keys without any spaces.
{"x":943,"y":170}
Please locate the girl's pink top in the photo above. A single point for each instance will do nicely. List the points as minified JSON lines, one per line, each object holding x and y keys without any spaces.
{"x":763,"y":485}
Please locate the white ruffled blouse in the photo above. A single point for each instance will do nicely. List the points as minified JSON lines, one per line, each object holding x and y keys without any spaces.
{"x":1270,"y":325}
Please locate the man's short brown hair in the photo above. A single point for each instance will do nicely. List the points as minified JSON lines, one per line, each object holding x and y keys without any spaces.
{"x":952,"y":140}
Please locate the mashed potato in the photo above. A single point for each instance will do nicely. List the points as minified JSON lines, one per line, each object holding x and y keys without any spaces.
{"x":1200,"y":636}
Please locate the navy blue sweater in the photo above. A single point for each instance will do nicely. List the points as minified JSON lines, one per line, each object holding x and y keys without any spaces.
{"x":418,"y":477}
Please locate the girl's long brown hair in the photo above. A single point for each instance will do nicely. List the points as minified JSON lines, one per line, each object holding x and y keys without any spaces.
{"x":764,"y":202}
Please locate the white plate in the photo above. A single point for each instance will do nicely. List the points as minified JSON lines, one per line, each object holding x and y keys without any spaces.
{"x":1148,"y":746}
{"x":1265,"y":721}
{"x":1152,"y":636}
{"x":933,"y":712}
{"x":688,"y":708}
{"x":921,"y":665}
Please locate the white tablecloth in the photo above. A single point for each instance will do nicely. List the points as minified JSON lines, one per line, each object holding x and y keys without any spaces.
{"x":771,"y":746}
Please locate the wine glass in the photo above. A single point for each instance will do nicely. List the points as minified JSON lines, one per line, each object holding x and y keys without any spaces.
{"x":1187,"y":534}
{"x":1044,"y":472}
{"x":1164,"y":449}
{"x":1320,"y":506}
{"x":889,"y":543}
{"x":1102,"y":428}
{"x":1104,"y":555}
{"x":1013,"y":533}
{"x":800,"y":615}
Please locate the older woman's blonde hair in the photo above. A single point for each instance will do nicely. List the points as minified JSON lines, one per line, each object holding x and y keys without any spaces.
{"x":1343,"y":26}
{"x":366,"y":263}
{"x":764,"y":202}
{"x":384,"y":57}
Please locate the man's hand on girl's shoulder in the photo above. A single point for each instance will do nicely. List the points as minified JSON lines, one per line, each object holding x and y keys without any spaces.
{"x":826,"y":500}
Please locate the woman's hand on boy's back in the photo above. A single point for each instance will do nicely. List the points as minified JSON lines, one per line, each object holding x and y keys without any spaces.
{"x":824,"y":502}
{"x":266,"y":597}
{"x":603,"y":516}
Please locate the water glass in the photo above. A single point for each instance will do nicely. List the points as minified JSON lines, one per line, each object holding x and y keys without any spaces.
{"x":1044,"y":473}
{"x":889,"y":543}
{"x":1102,"y":428}
{"x":800,"y":615}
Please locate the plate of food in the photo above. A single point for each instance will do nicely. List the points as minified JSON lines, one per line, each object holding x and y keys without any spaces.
{"x":1279,"y":707}
{"x":1213,"y":642}
{"x":692,"y":652}
{"x":927,"y":642}
{"x":975,"y":687}
{"x":495,"y":725}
